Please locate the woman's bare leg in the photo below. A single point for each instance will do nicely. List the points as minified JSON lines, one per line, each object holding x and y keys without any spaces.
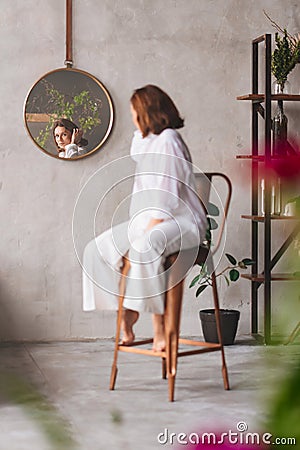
{"x":129,"y":318}
{"x":159,"y":340}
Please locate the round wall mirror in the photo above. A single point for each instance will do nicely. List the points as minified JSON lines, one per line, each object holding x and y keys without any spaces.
{"x":68,"y":104}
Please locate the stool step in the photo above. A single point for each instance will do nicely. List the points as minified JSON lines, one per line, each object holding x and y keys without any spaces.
{"x":140,"y":351}
{"x":136,"y":343}
{"x":198,"y":343}
{"x":200,"y":350}
{"x":205,"y":347}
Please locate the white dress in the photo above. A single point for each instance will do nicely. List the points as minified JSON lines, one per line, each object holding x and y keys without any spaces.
{"x":164,"y":189}
{"x":72,"y":151}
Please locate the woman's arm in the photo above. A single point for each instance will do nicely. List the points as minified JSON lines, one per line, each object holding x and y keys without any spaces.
{"x":73,"y":150}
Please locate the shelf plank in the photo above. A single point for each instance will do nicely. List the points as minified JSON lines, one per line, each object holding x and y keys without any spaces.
{"x":274,"y":277}
{"x":253,"y":157}
{"x":274,"y":97}
{"x":272,"y":158}
{"x":274,"y":217}
{"x":252,"y":97}
{"x":38,"y":118}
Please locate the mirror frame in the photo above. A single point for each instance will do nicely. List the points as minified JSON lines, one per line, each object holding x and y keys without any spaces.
{"x":106,"y":94}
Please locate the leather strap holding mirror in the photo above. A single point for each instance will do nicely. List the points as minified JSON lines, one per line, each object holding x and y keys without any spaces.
{"x":68,"y":113}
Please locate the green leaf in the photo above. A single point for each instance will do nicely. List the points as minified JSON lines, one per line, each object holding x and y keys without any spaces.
{"x":212,"y":223}
{"x":294,"y":199}
{"x":227,"y":280}
{"x":208,"y":235}
{"x":231,"y":259}
{"x":195,"y":280}
{"x":284,"y":58}
{"x":248,"y":261}
{"x":234,"y":275}
{"x":203,"y":270}
{"x":201,"y":289}
{"x":212,"y":209}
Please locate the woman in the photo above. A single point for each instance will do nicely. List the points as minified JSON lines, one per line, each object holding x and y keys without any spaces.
{"x":68,"y":139}
{"x":166,"y":216}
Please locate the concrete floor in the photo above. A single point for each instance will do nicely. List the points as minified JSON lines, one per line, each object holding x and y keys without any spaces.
{"x":74,"y":377}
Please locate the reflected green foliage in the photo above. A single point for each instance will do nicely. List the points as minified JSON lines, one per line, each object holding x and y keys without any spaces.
{"x":82,"y":109}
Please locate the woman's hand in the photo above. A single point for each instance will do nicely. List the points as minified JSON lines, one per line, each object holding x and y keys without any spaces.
{"x":76,"y":136}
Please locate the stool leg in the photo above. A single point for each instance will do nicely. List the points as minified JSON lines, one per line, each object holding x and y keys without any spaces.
{"x":218,"y":324}
{"x":172,"y":324}
{"x":164,"y":368}
{"x":114,"y":368}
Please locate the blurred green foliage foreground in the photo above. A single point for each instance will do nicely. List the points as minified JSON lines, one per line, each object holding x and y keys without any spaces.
{"x":16,"y":390}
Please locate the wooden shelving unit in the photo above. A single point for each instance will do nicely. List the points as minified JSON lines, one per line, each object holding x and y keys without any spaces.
{"x":275,"y":97}
{"x":273,"y":217}
{"x":261,"y":106}
{"x":259,"y":278}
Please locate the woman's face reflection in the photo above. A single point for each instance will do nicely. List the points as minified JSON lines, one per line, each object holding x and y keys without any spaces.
{"x":62,"y":136}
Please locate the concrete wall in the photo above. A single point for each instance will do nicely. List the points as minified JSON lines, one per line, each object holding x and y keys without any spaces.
{"x":199,"y":52}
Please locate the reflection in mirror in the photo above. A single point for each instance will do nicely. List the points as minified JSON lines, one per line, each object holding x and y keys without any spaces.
{"x":68,"y":113}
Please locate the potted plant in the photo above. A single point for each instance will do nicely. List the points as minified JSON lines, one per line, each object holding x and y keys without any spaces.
{"x":228,"y":317}
{"x":284,"y":59}
{"x":285,"y":56}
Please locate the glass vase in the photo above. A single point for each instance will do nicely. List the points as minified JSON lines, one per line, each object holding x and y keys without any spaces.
{"x":278,"y":88}
{"x":279,"y":128}
{"x":276,"y":197}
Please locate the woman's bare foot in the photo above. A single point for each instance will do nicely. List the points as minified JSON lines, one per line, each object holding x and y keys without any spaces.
{"x":129,"y":318}
{"x":159,"y":340}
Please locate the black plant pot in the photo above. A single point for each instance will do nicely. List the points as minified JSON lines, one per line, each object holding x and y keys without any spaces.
{"x":229,"y":322}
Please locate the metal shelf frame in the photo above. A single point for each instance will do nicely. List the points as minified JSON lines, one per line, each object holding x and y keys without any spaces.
{"x":257,"y":158}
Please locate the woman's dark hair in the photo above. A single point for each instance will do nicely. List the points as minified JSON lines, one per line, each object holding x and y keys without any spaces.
{"x":155,"y":110}
{"x":69,"y":125}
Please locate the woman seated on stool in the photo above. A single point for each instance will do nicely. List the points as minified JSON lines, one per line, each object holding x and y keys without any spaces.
{"x":166,"y":216}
